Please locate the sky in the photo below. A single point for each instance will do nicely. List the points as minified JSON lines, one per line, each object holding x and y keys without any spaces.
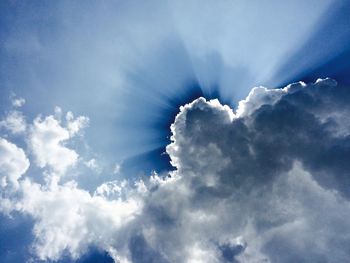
{"x":174,"y":131}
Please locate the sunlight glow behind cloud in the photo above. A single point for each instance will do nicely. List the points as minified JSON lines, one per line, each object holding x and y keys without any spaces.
{"x":148,"y":165}
{"x":147,"y":54}
{"x":246,"y":183}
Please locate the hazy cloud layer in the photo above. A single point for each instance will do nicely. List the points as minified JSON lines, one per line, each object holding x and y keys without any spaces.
{"x":267,"y":183}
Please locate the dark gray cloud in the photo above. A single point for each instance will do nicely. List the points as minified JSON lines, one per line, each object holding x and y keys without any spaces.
{"x":306,"y":124}
{"x":245,"y":169}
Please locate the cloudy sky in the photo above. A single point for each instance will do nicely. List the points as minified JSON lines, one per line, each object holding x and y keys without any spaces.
{"x":175,"y":131}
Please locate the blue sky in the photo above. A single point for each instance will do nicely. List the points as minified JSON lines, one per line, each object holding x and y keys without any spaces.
{"x":101,"y":84}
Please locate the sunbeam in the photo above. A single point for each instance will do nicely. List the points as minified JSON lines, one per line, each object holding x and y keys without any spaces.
{"x":324,"y":52}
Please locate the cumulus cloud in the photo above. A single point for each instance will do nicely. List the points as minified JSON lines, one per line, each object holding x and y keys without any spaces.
{"x":13,"y":163}
{"x":267,"y":183}
{"x":47,"y":140}
{"x":71,"y":220}
{"x":276,"y":135}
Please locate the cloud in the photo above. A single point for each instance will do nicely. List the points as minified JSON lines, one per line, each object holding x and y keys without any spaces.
{"x":117,"y":168}
{"x":92,"y":164}
{"x":13,"y":163}
{"x":18,"y":102}
{"x":47,"y":139}
{"x":14,"y":122}
{"x":267,"y":183}
{"x":69,"y":219}
{"x":267,"y":174}
{"x":74,"y":125}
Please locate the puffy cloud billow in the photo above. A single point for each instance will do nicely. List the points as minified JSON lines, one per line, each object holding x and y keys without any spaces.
{"x":269,"y":182}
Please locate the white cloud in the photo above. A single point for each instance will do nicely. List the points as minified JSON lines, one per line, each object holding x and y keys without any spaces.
{"x":92,"y":164}
{"x":13,"y":163}
{"x":18,"y":102}
{"x":267,"y":184}
{"x":69,"y":219}
{"x":259,"y":96}
{"x":14,"y":122}
{"x":74,"y":125}
{"x":47,"y":138}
